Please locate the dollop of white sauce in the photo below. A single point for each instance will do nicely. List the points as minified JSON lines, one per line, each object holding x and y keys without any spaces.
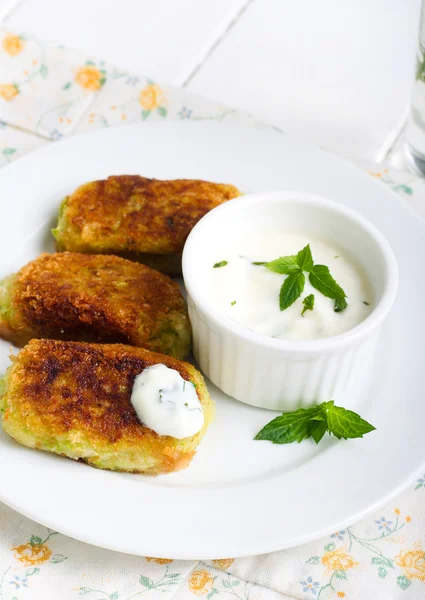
{"x":166,"y":403}
{"x":249,"y":294}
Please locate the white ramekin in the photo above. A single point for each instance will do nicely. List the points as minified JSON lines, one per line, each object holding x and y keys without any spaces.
{"x":284,"y":374}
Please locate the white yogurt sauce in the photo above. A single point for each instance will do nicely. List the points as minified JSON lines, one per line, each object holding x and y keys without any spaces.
{"x":166,"y":403}
{"x":249,"y":294}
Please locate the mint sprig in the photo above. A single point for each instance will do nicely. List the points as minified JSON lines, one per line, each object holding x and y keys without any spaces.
{"x":319,"y":276}
{"x":285,"y":265}
{"x":308,"y":303}
{"x":314,"y":422}
{"x":340,"y":305}
{"x":321,"y":279}
{"x":305,"y":259}
{"x":291,"y":289}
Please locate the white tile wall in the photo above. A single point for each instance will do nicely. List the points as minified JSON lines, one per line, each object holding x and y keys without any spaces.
{"x":335,"y":72}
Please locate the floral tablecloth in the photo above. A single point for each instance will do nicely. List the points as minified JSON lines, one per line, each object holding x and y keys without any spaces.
{"x":46,"y":93}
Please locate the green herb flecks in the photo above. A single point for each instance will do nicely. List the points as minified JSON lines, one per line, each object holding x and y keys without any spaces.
{"x":340,"y":305}
{"x":319,"y":276}
{"x":233,"y":303}
{"x":222,"y":263}
{"x":314,"y":422}
{"x":308,"y":303}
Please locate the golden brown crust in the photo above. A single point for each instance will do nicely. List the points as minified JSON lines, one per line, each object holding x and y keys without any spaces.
{"x":75,"y":384}
{"x":73,"y":296}
{"x":77,"y":391}
{"x":135,"y":215}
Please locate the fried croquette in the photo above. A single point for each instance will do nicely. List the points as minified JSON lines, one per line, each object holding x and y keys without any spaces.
{"x":94,"y":298}
{"x":73,"y":399}
{"x":146,"y":220}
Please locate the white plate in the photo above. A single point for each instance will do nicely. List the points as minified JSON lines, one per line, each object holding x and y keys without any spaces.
{"x":239,"y":496}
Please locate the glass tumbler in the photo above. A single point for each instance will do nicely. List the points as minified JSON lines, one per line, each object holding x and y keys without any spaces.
{"x":415,"y":130}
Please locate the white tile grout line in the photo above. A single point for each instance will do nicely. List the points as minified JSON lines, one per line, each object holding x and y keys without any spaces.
{"x":6,"y":7}
{"x":208,"y":51}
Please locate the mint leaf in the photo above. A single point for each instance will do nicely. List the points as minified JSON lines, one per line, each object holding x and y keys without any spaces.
{"x":291,"y":289}
{"x":285,"y":265}
{"x":343,"y":423}
{"x":305,"y":259}
{"x":321,"y":279}
{"x":318,"y":430}
{"x":289,"y":427}
{"x":222,"y":263}
{"x":319,"y":275}
{"x":340,"y":305}
{"x":308,"y":303}
{"x":314,"y":422}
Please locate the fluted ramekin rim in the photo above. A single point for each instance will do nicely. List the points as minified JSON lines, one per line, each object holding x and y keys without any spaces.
{"x":347,"y":338}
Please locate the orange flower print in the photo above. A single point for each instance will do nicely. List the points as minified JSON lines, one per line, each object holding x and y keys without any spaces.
{"x":200,"y":582}
{"x":378,"y":174}
{"x":32,"y":555}
{"x":8,"y":91}
{"x":13,"y":45}
{"x":413,"y":563}
{"x":340,"y":594}
{"x":151,"y":97}
{"x":223,"y":563}
{"x":90,"y":78}
{"x":159,"y":561}
{"x":338,"y":560}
